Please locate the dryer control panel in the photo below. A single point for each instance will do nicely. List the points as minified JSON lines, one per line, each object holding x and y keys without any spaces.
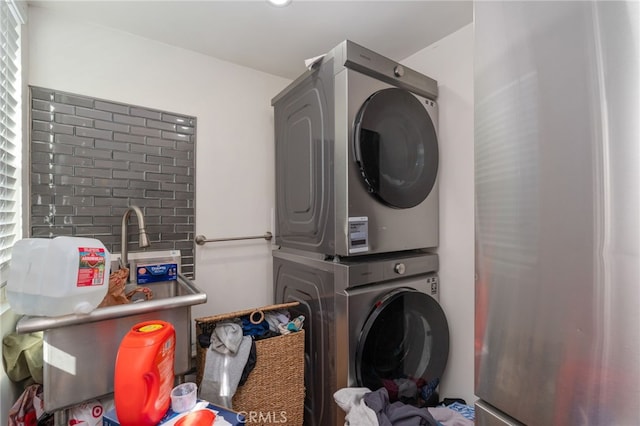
{"x":388,"y":267}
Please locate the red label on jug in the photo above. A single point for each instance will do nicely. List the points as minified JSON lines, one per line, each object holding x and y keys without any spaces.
{"x":91,"y":268}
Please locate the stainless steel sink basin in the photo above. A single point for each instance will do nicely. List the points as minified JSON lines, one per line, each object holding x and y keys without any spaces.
{"x":80,"y":350}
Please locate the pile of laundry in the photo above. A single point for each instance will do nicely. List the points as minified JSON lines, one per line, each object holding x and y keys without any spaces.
{"x":412,"y":391}
{"x":364,"y":407}
{"x":231,"y":353}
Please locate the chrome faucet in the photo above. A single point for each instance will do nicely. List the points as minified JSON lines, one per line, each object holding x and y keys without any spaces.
{"x":143,"y":239}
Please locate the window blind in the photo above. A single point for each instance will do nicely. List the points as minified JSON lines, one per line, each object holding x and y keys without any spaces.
{"x":10,"y":134}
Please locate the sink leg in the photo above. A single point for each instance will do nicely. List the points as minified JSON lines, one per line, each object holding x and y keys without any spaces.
{"x":60,"y":418}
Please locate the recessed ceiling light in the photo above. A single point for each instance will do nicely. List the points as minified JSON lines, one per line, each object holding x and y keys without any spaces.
{"x":280,"y":3}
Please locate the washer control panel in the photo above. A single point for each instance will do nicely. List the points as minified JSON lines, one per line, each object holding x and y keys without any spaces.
{"x":399,"y":268}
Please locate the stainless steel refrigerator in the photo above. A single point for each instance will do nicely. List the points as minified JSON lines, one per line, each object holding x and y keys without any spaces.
{"x":557,"y":161}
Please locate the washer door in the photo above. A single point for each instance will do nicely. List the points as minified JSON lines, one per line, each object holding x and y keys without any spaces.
{"x":396,"y":148}
{"x":406,"y":336}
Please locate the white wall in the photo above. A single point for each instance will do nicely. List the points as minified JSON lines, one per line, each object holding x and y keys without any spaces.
{"x":450,"y":62}
{"x":235,"y":156}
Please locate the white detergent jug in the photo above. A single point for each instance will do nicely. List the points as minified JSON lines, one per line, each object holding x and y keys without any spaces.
{"x":58,"y":276}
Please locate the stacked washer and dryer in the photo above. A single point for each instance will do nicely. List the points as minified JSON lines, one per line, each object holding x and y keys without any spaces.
{"x":356,"y":154}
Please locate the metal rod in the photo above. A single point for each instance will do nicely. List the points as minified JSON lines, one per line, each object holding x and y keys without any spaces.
{"x":201,"y":239}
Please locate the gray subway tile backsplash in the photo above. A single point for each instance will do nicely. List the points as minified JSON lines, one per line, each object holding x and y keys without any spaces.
{"x":162,"y":125}
{"x":175,"y":136}
{"x":158,"y":177}
{"x":111,"y":201}
{"x":170,"y":186}
{"x":146,"y":149}
{"x":111,"y":106}
{"x":42,"y":115}
{"x":93,"y":172}
{"x":73,"y":220}
{"x":146,"y":131}
{"x":41,"y":105}
{"x":51,"y":231}
{"x":42,"y":136}
{"x":174,"y":203}
{"x":165,"y":168}
{"x":109,"y":125}
{"x":145,"y":202}
{"x":128,"y":193}
{"x":106,"y":220}
{"x":94,"y":133}
{"x":92,"y":190}
{"x":110,"y":183}
{"x":59,"y":108}
{"x":94,"y":113}
{"x":70,"y":160}
{"x":92,"y":153}
{"x":92,"y":158}
{"x":73,"y":180}
{"x":119,"y":146}
{"x":93,"y":231}
{"x":72,"y":140}
{"x":144,"y":184}
{"x":126,"y":174}
{"x":146,"y":113}
{"x":38,"y":93}
{"x":127,"y":137}
{"x":160,"y":159}
{"x":127,"y":119}
{"x":185,"y":129}
{"x":60,"y":128}
{"x":129,"y":156}
{"x":91,"y":211}
{"x":73,"y":120}
{"x":111,"y":164}
{"x":69,"y":99}
{"x":158,"y":194}
{"x":173,"y":153}
{"x":41,"y":157}
{"x":51,"y":169}
{"x":177,"y":119}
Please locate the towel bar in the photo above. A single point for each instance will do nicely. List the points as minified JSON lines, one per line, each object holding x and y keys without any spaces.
{"x":201,"y":239}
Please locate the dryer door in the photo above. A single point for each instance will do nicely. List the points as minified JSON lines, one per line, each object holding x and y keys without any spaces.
{"x":406,"y":336}
{"x":396,"y":148}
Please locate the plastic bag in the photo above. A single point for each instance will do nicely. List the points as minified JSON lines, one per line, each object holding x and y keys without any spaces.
{"x":28,"y":408}
{"x":86,"y":414}
{"x":139,"y":294}
{"x":116,"y":294}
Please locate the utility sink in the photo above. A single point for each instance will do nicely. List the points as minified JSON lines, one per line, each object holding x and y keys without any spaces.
{"x":80,"y":350}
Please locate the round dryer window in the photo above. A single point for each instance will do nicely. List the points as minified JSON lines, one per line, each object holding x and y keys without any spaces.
{"x":405,"y":337}
{"x":396,"y":148}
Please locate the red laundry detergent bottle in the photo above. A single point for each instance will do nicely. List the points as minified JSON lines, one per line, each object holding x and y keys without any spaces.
{"x":144,"y":374}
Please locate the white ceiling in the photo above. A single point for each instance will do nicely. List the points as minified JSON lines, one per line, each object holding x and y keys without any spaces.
{"x":272,"y":39}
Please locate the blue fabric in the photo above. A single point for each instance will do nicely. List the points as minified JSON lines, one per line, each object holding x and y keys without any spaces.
{"x":427,"y":390}
{"x":466,"y":411}
{"x":256,"y":330}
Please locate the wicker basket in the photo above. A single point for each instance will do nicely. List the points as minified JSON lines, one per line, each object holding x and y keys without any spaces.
{"x":274,"y":391}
